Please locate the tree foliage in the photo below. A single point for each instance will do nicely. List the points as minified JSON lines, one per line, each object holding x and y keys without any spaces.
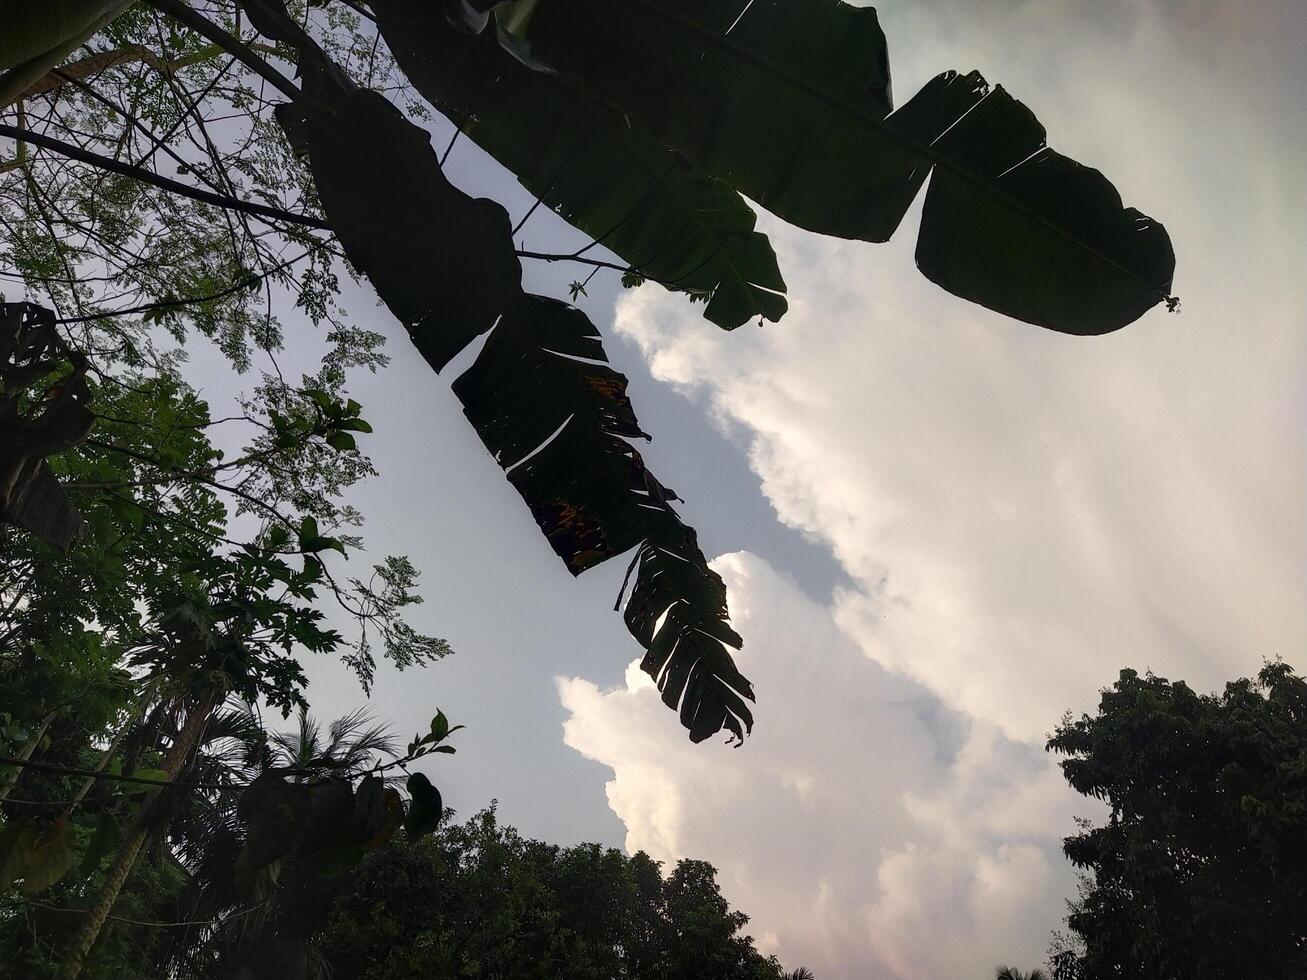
{"x":1200,"y":872}
{"x":477,"y":900}
{"x":199,"y":576}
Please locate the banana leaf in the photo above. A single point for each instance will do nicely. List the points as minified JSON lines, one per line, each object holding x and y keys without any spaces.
{"x":598,"y":169}
{"x":789,"y":102}
{"x":540,"y":393}
{"x":37,"y":36}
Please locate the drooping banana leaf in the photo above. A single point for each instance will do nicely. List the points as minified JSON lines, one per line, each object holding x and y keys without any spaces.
{"x":540,"y":394}
{"x":789,"y":102}
{"x":663,"y":216}
{"x":555,"y":415}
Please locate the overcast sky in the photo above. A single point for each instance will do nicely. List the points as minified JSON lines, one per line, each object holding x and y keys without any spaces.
{"x":940,"y":529}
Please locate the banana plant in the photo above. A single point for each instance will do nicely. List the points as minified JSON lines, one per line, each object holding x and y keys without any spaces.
{"x":789,"y":103}
{"x":668,"y":220}
{"x":647,"y":124}
{"x":540,"y":394}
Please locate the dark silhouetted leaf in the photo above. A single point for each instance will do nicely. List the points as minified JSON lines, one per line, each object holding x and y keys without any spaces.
{"x":274,"y":812}
{"x":443,"y":262}
{"x":424,"y":809}
{"x":394,"y":818}
{"x":666,"y":218}
{"x":17,"y":841}
{"x":38,"y":419}
{"x":540,"y":394}
{"x":556,"y":416}
{"x":369,"y":815}
{"x":468,"y":16}
{"x":789,"y":102}
{"x":330,"y":814}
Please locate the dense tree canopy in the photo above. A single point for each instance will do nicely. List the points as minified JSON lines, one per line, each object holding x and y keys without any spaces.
{"x":477,"y":900}
{"x":1200,"y":872}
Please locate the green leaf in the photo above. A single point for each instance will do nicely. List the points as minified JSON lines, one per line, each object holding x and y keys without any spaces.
{"x":158,"y":774}
{"x":52,"y":854}
{"x":17,"y":842}
{"x":596,"y":167}
{"x":311,"y":542}
{"x":788,"y":101}
{"x":326,"y":404}
{"x":340,"y":441}
{"x":103,"y":841}
{"x":439,"y":726}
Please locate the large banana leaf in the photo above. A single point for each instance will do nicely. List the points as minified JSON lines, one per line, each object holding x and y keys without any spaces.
{"x":789,"y":101}
{"x":665,"y":217}
{"x":35,"y":35}
{"x":540,"y":394}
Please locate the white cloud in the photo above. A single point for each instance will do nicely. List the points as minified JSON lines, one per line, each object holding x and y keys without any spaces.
{"x":857,"y":819}
{"x":1020,"y":513}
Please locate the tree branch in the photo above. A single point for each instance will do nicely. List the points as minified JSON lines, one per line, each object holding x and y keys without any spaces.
{"x":164,"y":183}
{"x":93,"y":774}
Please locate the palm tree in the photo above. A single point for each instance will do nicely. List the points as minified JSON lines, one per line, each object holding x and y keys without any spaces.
{"x":800,"y":973}
{"x":1012,"y":973}
{"x":349,"y":746}
{"x":208,"y":835}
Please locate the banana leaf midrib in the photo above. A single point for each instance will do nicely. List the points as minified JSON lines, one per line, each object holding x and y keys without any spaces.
{"x":936,"y":158}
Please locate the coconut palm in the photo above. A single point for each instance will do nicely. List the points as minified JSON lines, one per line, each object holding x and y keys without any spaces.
{"x":349,"y":745}
{"x":800,"y":973}
{"x":209,"y":835}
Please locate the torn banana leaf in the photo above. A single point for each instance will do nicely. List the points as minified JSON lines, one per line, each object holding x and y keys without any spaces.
{"x":789,"y":102}
{"x":540,"y":394}
{"x":598,"y":169}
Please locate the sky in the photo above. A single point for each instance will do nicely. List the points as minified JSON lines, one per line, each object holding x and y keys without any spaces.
{"x":940,"y":529}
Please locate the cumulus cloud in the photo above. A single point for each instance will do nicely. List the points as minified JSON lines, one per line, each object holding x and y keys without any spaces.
{"x":1022,"y":513}
{"x":859,"y":817}
{"x":1019,"y":513}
